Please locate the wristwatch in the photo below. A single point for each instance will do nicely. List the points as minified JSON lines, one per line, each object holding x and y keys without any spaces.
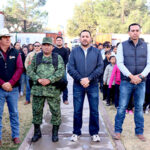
{"x":141,"y":77}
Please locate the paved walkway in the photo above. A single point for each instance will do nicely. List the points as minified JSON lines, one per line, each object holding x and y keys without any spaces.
{"x":65,"y":131}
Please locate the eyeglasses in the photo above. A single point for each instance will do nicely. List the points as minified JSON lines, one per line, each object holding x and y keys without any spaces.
{"x":36,"y":45}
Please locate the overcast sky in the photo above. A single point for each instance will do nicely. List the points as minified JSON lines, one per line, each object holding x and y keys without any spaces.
{"x":59,"y":11}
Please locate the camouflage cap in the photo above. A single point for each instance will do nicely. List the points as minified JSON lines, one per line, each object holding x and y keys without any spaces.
{"x":47,"y":40}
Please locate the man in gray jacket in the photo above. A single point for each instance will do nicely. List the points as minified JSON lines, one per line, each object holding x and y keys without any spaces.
{"x":85,"y":66}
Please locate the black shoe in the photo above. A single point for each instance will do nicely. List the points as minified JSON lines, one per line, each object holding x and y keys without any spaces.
{"x":37,"y":133}
{"x":55,"y":133}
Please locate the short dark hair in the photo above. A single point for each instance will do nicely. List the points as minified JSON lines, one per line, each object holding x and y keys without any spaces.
{"x":100,"y":44}
{"x":26,"y":48}
{"x":133,"y":24}
{"x":85,"y":31}
{"x":107,"y":52}
{"x":59,"y":37}
{"x":107,"y":46}
{"x":95,"y":45}
{"x":16,"y":43}
{"x":112,"y":57}
{"x":36,"y":42}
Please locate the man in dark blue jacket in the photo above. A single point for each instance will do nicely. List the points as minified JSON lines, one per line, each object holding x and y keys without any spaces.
{"x":85,"y":66}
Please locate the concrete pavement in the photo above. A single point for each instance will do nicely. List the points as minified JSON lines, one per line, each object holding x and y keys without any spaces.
{"x":65,"y":131}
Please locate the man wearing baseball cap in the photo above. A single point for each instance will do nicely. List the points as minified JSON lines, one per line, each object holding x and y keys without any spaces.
{"x":11,"y":68}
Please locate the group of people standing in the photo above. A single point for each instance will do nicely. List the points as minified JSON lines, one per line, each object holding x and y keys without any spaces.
{"x":125,"y":81}
{"x":47,"y":64}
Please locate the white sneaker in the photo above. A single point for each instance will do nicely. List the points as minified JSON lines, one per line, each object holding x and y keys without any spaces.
{"x":74,"y":137}
{"x":96,"y":138}
{"x":147,"y":110}
{"x":21,"y":93}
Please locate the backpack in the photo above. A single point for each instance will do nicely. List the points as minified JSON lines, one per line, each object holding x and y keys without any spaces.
{"x":62,"y":83}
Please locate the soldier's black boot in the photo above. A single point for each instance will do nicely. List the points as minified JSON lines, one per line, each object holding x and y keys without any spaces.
{"x":55,"y":133}
{"x":37,"y":133}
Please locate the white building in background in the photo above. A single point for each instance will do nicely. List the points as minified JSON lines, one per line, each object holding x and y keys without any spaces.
{"x":27,"y":38}
{"x":1,"y":20}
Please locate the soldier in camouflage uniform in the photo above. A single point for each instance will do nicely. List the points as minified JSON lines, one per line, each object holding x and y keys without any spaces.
{"x":43,"y":76}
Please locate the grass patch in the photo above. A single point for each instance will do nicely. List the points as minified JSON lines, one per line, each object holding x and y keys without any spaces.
{"x":25,"y":117}
{"x":128,"y":135}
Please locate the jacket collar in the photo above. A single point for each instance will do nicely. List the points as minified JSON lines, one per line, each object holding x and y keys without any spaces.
{"x":139,"y":41}
{"x":87,"y":49}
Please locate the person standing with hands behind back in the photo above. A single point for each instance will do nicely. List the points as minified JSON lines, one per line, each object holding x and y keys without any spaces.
{"x":85,"y":66}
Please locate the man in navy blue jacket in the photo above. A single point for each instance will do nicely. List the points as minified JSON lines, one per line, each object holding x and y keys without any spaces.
{"x":85,"y":66}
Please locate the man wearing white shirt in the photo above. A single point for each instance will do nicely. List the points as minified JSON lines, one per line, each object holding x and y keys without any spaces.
{"x":133,"y":60}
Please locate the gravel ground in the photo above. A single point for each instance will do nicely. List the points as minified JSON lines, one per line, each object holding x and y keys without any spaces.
{"x":128,"y":136}
{"x":25,"y":116}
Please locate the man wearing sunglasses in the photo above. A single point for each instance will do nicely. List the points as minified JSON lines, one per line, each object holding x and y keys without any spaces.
{"x":37,"y":49}
{"x":133,"y":60}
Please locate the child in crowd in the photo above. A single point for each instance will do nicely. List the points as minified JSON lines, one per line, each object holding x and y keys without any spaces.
{"x":115,"y":76}
{"x":106,"y":62}
{"x":106,"y":79}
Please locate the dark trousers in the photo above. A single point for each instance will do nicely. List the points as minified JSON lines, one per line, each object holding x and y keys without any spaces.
{"x":105,"y":87}
{"x":147,"y":101}
{"x":65,"y":92}
{"x":78,"y":100}
{"x":111,"y":95}
{"x":147,"y":94}
{"x":101,"y":83}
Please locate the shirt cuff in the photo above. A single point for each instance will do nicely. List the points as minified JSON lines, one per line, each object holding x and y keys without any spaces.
{"x":2,"y":82}
{"x":12,"y":82}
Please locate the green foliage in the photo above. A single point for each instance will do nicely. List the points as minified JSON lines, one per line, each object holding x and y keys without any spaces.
{"x":109,"y":16}
{"x":27,"y":14}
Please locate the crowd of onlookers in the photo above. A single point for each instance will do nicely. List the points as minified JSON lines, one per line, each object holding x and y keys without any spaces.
{"x":109,"y":81}
{"x":27,"y":52}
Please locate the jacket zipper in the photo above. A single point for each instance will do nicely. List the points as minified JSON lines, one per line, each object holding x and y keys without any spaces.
{"x":3,"y":59}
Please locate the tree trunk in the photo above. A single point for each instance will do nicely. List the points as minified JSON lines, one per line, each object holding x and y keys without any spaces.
{"x":25,"y":25}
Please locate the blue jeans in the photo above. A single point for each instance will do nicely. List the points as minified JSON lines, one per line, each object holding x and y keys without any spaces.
{"x":22,"y":82}
{"x":78,"y":100}
{"x":117,"y":95}
{"x":126,"y":89}
{"x":12,"y":102}
{"x":28,"y":90}
{"x":65,"y":92}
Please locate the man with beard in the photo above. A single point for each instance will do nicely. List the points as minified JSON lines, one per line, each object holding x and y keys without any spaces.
{"x":64,"y":54}
{"x":85,"y":66}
